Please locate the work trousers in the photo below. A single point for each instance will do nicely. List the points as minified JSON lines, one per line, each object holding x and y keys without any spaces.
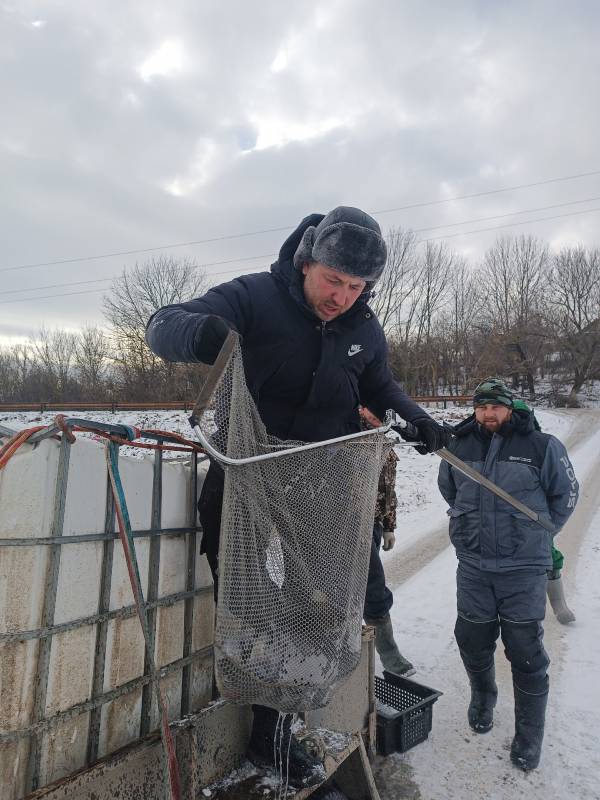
{"x":511,"y":604}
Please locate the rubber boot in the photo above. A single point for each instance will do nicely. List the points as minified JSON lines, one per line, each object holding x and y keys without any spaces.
{"x":556,"y":596}
{"x":484,"y":694}
{"x":530,"y":712}
{"x":272,"y":744}
{"x":387,"y":649}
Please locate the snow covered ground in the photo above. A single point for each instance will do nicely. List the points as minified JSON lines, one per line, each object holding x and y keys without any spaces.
{"x":454,"y":764}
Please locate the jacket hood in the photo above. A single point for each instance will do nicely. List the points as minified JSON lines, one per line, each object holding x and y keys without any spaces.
{"x":521,"y":422}
{"x":289,"y":247}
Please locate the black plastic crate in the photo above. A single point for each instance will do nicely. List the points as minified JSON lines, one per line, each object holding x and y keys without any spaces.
{"x":404,"y":713}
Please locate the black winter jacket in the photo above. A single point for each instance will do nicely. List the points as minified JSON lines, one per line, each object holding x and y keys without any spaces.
{"x":306,"y":376}
{"x":532,"y":466}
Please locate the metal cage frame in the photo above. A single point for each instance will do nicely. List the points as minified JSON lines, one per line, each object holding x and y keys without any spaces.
{"x":41,"y":723}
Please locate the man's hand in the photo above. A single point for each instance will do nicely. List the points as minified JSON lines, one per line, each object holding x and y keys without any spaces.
{"x":389,"y":540}
{"x":434,"y":436}
{"x":369,"y":417}
{"x":210,"y":337}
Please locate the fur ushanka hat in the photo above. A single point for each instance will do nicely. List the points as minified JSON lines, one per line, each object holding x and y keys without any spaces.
{"x":347,"y":239}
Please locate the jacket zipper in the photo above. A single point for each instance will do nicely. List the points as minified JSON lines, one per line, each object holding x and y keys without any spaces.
{"x":314,"y":375}
{"x":485,"y":472}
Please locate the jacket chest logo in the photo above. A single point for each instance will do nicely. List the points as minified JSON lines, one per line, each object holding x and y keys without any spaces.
{"x":354,"y":349}
{"x":522,"y":459}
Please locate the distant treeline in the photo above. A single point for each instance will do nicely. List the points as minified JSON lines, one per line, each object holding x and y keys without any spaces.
{"x":523,"y":313}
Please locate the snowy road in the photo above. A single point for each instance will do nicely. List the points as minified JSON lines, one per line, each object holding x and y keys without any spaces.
{"x":454,"y":763}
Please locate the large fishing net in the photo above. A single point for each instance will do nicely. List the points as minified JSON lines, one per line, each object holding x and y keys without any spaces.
{"x":295,"y":542}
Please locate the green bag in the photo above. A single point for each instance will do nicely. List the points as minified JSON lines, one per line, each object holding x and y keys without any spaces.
{"x":557,"y":559}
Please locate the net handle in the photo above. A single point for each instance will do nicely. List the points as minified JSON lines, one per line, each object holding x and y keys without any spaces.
{"x":212,"y":379}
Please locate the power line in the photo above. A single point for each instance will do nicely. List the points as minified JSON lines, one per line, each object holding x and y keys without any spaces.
{"x":113,"y":277}
{"x":47,"y":296}
{"x":511,"y":224}
{"x":226,"y":237}
{"x":272,"y":255}
{"x":230,"y":261}
{"x":483,"y":194}
{"x":144,"y":250}
{"x":92,"y":291}
{"x":428,"y":239}
{"x":53,"y":286}
{"x":503,"y":216}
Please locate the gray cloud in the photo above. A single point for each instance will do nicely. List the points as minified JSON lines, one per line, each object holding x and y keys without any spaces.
{"x":159,"y":123}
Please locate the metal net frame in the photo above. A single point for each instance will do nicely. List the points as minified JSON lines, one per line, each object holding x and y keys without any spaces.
{"x":295,"y":543}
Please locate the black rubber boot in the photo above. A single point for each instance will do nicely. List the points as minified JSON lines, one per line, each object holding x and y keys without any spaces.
{"x":387,"y":649}
{"x":484,"y":694}
{"x":530,"y":713}
{"x":270,"y":746}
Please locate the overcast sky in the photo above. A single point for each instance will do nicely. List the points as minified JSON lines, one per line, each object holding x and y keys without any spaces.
{"x":128,"y":125}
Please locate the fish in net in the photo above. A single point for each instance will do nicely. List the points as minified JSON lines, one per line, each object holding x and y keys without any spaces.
{"x":294,"y":552}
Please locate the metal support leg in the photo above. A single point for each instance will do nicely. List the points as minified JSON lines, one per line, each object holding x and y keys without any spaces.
{"x":50,"y":587}
{"x":152,"y":593}
{"x":102,"y":628}
{"x":190,"y":584}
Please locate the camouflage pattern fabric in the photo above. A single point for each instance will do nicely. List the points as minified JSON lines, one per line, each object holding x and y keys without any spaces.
{"x":385,"y":508}
{"x":492,"y":390}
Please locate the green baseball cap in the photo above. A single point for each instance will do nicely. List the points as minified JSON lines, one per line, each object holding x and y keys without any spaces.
{"x":493,"y":390}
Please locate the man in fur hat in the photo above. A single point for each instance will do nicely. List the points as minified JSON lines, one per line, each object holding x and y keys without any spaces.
{"x":313,"y":352}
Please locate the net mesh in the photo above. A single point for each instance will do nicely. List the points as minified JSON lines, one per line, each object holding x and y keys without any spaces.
{"x":295,"y":542}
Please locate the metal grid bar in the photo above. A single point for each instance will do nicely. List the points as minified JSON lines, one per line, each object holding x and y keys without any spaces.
{"x":81,"y":708}
{"x":117,"y":613}
{"x":190,"y":585}
{"x":102,"y":629}
{"x":82,"y":538}
{"x":152,"y":591}
{"x":50,"y":587}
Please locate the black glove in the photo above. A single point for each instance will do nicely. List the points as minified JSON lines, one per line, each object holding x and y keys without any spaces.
{"x":409,"y":432}
{"x":210,"y":336}
{"x":434,"y":436}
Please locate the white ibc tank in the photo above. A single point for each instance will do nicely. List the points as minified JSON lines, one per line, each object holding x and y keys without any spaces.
{"x":27,"y":503}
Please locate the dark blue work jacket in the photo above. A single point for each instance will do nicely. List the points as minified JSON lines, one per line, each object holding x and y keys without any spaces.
{"x":307,"y":377}
{"x":533,"y":467}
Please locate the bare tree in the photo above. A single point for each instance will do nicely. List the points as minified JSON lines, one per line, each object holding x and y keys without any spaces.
{"x":134,"y":296}
{"x":414,"y":352}
{"x":398,"y":279}
{"x":515,"y":272}
{"x":16,"y":369}
{"x":137,"y":293}
{"x":92,"y":350}
{"x":22,"y":358}
{"x":459,"y":327}
{"x":435,"y":276}
{"x":575,"y":302}
{"x":54,"y":353}
{"x":8,"y":375}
